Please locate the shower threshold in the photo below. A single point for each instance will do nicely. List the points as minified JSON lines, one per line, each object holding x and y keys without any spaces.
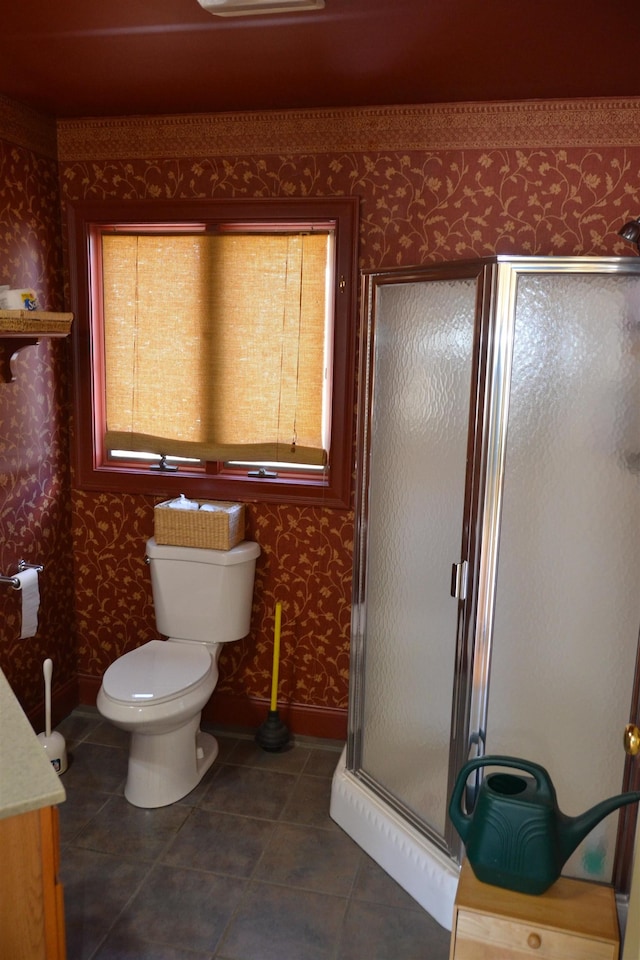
{"x":418,"y":866}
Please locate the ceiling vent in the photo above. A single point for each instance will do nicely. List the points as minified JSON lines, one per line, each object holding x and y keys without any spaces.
{"x":245,"y":8}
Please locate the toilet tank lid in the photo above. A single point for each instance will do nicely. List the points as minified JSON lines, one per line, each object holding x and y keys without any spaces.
{"x":244,"y":551}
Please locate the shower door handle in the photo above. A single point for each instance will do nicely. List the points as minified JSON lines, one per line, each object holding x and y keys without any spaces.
{"x":459,"y":580}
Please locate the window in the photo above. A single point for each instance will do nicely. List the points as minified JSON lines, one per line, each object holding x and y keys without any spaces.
{"x":214,"y":348}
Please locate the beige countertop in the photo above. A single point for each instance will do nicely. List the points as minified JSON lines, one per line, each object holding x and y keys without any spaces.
{"x":27,"y":779}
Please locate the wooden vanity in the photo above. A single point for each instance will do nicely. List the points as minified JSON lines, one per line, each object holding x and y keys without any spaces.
{"x":31,"y":900}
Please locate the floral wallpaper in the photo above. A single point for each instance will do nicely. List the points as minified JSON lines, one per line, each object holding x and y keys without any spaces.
{"x":435,"y":183}
{"x":305,"y":563}
{"x":35,"y":500}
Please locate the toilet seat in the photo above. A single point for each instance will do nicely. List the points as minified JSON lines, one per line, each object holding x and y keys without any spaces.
{"x":157,"y":671}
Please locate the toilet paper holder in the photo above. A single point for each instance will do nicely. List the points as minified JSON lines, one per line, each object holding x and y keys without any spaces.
{"x":22,"y":565}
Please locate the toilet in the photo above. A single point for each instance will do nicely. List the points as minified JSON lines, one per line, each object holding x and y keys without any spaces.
{"x":202,"y":599}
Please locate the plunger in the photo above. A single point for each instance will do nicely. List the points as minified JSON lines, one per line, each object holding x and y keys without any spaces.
{"x":273,"y":735}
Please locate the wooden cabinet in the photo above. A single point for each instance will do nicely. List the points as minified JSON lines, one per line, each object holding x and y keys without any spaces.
{"x":31,"y":902}
{"x":573,"y":920}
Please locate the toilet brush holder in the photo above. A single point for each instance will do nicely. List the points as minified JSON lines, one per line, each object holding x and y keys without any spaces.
{"x":52,"y":741}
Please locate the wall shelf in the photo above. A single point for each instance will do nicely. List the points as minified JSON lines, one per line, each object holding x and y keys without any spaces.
{"x":25,"y":328}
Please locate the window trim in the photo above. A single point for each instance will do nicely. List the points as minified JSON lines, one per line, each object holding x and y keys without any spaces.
{"x":93,"y":475}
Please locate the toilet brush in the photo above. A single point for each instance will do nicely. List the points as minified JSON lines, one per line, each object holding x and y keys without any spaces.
{"x":273,"y":735}
{"x":53,"y":743}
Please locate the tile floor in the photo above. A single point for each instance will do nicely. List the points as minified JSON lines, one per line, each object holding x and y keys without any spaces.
{"x":249,"y":866}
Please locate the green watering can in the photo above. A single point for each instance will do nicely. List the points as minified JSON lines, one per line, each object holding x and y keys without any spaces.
{"x":516,"y":836}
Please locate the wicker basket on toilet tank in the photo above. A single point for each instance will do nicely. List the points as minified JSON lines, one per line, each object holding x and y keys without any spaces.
{"x":218,"y":527}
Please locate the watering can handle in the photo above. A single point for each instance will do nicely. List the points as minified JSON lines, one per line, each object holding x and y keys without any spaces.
{"x":463,"y":819}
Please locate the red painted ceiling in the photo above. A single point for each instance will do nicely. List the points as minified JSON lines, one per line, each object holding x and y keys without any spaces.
{"x":118,"y":57}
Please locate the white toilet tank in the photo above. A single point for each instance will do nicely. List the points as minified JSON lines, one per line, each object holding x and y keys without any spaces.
{"x":201,"y":594}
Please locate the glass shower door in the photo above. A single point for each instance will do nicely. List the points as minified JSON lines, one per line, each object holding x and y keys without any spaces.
{"x":415,"y":387}
{"x":567,"y":603}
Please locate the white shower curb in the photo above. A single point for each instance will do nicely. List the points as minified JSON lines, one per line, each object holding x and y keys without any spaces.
{"x":420,"y":868}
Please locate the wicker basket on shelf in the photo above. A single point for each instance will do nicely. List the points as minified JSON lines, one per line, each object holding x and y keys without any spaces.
{"x":218,"y":529}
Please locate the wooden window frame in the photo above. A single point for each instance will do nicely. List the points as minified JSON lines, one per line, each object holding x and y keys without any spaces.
{"x":213,"y":481}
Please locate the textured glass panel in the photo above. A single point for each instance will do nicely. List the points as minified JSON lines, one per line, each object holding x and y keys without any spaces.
{"x":568,"y":604}
{"x":419,"y":421}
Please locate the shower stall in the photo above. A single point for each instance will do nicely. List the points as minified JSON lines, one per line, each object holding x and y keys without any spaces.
{"x":496,"y":602}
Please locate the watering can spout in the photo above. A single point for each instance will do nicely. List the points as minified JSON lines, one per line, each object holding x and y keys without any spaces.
{"x":573,"y":830}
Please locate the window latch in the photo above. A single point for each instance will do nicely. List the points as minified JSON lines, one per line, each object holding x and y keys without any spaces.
{"x":163,"y":466}
{"x":263,"y":474}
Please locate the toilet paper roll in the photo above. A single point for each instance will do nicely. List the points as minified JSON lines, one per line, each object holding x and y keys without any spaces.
{"x":18,"y":300}
{"x":28,"y":580}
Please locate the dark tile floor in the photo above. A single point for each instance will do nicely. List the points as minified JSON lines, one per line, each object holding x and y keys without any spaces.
{"x":249,"y":866}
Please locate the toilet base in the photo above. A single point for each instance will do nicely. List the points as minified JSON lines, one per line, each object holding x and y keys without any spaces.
{"x":165,"y":767}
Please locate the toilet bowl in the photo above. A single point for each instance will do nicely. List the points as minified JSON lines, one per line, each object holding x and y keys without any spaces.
{"x":157,"y":691}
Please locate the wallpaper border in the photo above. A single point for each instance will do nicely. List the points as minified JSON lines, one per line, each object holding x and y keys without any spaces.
{"x":525,"y":124}
{"x":28,"y":129}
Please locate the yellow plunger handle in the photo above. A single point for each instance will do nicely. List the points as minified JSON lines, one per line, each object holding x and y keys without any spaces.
{"x":276,"y":658}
